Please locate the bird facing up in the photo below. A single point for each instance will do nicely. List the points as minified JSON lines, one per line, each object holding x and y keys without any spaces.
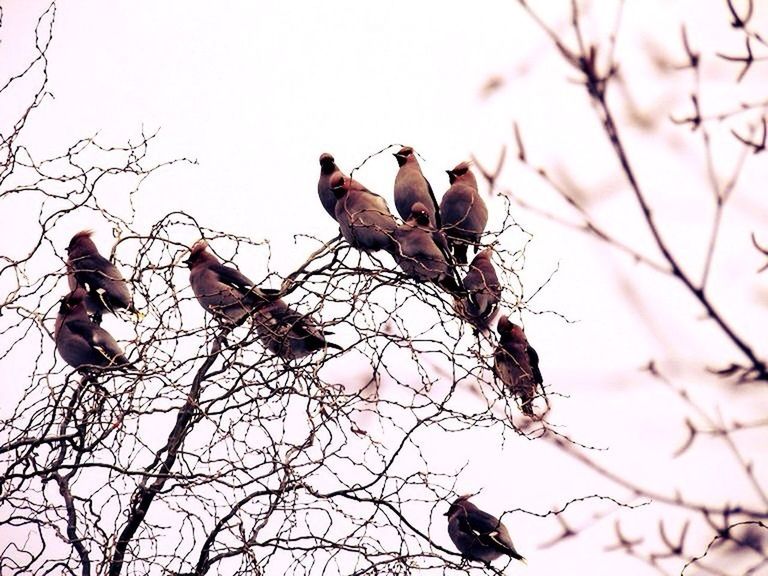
{"x":478,"y":535}
{"x":516,"y":364}
{"x":420,"y":250}
{"x":82,"y":343}
{"x":105,"y":286}
{"x":483,"y":291}
{"x":411,"y":187}
{"x":328,"y":169}
{"x":364,"y":217}
{"x":221,"y":290}
{"x":463,"y":211}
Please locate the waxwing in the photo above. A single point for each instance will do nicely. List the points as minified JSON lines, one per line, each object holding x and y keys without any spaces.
{"x":517,"y":364}
{"x":421,"y":251}
{"x":463,"y":211}
{"x":288,"y":333}
{"x":411,"y":186}
{"x":364,"y":218}
{"x":221,"y":290}
{"x":483,"y":291}
{"x":81,"y":342}
{"x":105,"y":286}
{"x":478,"y":535}
{"x":328,"y":169}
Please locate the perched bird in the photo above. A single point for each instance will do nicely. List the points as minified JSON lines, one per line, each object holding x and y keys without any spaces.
{"x":221,"y":290}
{"x":483,"y":291}
{"x":106,"y":288}
{"x":81,"y":342}
{"x":421,"y":251}
{"x":288,"y":333}
{"x":478,"y":535}
{"x":517,"y":364}
{"x":328,"y":169}
{"x":463,"y":211}
{"x":364,"y":218}
{"x":411,"y":186}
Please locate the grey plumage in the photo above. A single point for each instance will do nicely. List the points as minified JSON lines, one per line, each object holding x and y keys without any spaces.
{"x":478,"y":535}
{"x":105,"y":286}
{"x":463,"y":212}
{"x":483,"y":291}
{"x":364,"y":217}
{"x":288,"y":333}
{"x":81,"y":342}
{"x":221,"y":290}
{"x":516,"y":363}
{"x":421,"y":251}
{"x":411,"y":186}
{"x":328,"y":170}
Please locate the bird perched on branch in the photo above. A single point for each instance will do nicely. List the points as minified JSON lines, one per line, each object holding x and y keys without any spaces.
{"x":107,"y":290}
{"x":483,"y":291}
{"x":220,"y":289}
{"x":516,"y":363}
{"x":364,"y":217}
{"x":81,"y":342}
{"x":411,"y":187}
{"x":232,"y":298}
{"x":328,"y":170}
{"x":478,"y":535}
{"x":422,"y":252}
{"x":463,"y":212}
{"x":288,"y":333}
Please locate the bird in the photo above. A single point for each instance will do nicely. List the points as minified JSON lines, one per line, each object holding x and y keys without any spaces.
{"x":328,"y":169}
{"x":222,"y":290}
{"x":516,"y":364}
{"x":81,"y":342}
{"x":421,"y":251}
{"x":364,"y":217}
{"x":478,"y":535}
{"x":107,"y":290}
{"x":287,"y":333}
{"x":463,"y":212}
{"x":411,"y":186}
{"x":483,"y":291}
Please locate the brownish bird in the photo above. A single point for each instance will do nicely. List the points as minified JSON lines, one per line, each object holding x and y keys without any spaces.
{"x":479,"y":536}
{"x":411,"y":187}
{"x":517,"y":364}
{"x":483,"y":291}
{"x":364,"y":217}
{"x":82,"y":343}
{"x":328,"y":170}
{"x":221,"y":290}
{"x":463,"y":212}
{"x":105,"y":286}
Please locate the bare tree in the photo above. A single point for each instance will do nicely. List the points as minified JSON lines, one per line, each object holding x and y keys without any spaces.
{"x":209,"y":453}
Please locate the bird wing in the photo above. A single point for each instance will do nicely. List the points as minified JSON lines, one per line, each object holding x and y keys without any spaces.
{"x":489,"y":531}
{"x":239,"y":281}
{"x":229,"y":275}
{"x":438,"y":223}
{"x":533,"y":358}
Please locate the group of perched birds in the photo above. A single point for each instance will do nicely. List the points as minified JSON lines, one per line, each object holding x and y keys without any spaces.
{"x":430,"y":244}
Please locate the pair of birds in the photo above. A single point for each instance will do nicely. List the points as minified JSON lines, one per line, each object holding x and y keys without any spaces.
{"x":431,"y":235}
{"x":479,"y":536}
{"x":98,"y":287}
